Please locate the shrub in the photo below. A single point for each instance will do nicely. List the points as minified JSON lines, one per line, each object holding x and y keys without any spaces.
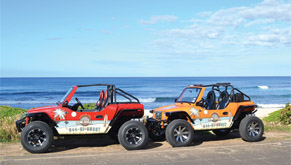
{"x":285,"y":115}
{"x":8,"y":117}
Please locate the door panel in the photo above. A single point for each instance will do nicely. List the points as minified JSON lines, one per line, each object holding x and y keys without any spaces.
{"x":90,"y":122}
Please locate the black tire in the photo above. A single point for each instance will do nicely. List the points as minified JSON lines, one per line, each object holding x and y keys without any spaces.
{"x":177,"y":139}
{"x":133,"y":135}
{"x":221,"y":132}
{"x":37,"y":137}
{"x":251,"y":129}
{"x":157,"y":135}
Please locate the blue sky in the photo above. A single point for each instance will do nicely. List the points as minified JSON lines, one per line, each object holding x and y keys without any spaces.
{"x":72,"y":38}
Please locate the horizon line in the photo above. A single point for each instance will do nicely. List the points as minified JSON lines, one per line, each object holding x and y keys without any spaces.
{"x":143,"y":76}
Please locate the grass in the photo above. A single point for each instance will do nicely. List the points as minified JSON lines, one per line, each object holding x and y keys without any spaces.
{"x":8,"y":117}
{"x":273,"y":117}
{"x":7,"y":111}
{"x":273,"y":122}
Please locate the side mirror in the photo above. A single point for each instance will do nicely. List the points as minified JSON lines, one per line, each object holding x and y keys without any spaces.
{"x":175,"y":99}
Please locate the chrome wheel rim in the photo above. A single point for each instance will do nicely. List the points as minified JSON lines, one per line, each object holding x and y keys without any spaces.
{"x":181,"y":134}
{"x":36,"y":137}
{"x":133,"y":135}
{"x":253,"y":129}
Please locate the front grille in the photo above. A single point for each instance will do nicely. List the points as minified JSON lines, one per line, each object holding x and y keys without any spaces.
{"x":158,"y":114}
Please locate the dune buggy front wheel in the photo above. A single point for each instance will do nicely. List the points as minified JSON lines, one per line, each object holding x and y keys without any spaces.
{"x":37,"y":137}
{"x":179,"y":133}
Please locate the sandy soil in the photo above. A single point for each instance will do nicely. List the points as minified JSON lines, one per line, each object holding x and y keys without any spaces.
{"x":103,"y":143}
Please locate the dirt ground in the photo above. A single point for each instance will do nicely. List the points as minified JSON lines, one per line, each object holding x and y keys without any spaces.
{"x":103,"y":143}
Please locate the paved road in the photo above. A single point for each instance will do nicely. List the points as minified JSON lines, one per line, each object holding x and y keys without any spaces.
{"x":265,"y":152}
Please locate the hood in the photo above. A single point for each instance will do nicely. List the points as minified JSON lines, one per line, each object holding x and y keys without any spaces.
{"x":43,"y":109}
{"x":174,"y":107}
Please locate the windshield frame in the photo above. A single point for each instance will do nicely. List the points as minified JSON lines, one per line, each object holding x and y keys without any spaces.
{"x":182,"y":95}
{"x":66,"y":95}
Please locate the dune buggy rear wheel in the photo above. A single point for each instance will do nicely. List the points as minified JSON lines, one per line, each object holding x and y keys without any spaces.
{"x":133,"y":135}
{"x":37,"y":137}
{"x":179,"y":133}
{"x":157,"y":135}
{"x":251,"y":129}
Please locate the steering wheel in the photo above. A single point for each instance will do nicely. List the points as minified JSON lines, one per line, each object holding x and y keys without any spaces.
{"x":79,"y":103}
{"x":202,"y":103}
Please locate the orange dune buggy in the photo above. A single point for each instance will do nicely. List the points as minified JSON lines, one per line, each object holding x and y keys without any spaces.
{"x":218,"y":107}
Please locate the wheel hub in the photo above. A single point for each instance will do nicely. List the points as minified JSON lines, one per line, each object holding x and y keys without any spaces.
{"x":133,"y":136}
{"x":254,"y":129}
{"x":36,"y":137}
{"x":181,"y":134}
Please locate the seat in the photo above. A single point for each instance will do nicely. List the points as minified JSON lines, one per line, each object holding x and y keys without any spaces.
{"x":239,"y":97}
{"x":223,"y":100}
{"x":105,"y":99}
{"x":100,"y":101}
{"x":210,"y":100}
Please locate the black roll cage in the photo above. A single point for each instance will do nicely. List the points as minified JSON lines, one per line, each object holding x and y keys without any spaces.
{"x":226,"y":85}
{"x":113,"y":91}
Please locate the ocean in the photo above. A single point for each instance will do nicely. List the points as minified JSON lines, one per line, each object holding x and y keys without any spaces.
{"x":153,"y":92}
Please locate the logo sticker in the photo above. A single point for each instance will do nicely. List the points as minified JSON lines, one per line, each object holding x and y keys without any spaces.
{"x":85,"y":120}
{"x":214,"y":117}
{"x":59,"y":114}
{"x":194,"y":112}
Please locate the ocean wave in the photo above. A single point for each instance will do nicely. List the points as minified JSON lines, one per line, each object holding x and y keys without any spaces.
{"x":271,"y":105}
{"x":148,"y":100}
{"x":263,"y":87}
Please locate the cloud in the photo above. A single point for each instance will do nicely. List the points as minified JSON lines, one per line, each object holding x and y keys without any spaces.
{"x":274,"y":37}
{"x":55,"y":38}
{"x":266,"y":24}
{"x":159,"y":18}
{"x":265,"y":12}
{"x":195,"y":31}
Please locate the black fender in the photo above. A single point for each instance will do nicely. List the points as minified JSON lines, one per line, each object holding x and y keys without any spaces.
{"x":240,"y":114}
{"x":41,"y":116}
{"x":125,"y":115}
{"x":179,"y":113}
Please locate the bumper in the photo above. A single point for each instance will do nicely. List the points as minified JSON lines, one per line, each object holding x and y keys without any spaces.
{"x":20,"y":124}
{"x":155,"y":124}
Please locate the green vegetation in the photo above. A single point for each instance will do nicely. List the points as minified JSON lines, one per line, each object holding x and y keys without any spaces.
{"x":8,"y":117}
{"x":6,"y":111}
{"x":89,"y":106}
{"x":285,"y":115}
{"x":279,"y":120}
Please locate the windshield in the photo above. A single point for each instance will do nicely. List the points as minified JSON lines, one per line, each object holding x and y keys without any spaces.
{"x":189,"y":95}
{"x":64,"y":98}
